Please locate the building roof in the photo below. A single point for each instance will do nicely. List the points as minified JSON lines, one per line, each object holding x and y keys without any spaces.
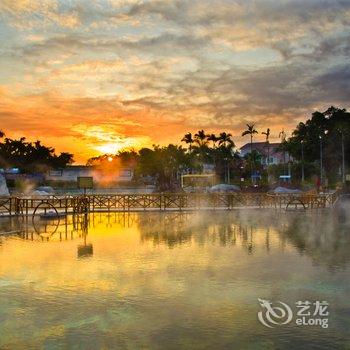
{"x":261,"y":147}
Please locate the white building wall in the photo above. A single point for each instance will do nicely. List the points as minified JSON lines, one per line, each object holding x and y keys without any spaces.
{"x":72,"y":174}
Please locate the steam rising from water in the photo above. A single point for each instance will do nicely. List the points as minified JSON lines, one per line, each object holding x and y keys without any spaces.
{"x":164,"y":275}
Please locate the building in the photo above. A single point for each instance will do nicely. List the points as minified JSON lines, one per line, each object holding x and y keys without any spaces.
{"x":71,"y":173}
{"x":264,"y":149}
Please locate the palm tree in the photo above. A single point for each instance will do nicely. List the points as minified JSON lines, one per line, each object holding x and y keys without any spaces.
{"x":267,"y":134}
{"x":250,"y":131}
{"x":225,"y":139}
{"x":201,"y":138}
{"x":188,"y":139}
{"x":214,"y":139}
{"x":226,"y":144}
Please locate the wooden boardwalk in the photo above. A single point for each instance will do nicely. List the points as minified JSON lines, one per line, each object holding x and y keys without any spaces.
{"x":162,"y":201}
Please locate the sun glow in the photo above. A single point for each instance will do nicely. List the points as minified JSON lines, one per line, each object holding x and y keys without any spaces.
{"x":115,"y":147}
{"x":106,"y":139}
{"x":108,"y":148}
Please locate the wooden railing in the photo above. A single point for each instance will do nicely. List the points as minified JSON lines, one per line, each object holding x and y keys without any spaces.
{"x":163,"y":201}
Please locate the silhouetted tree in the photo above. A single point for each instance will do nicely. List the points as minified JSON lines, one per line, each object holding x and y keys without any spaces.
{"x":188,"y":139}
{"x":333,"y":126}
{"x":30,"y":157}
{"x":250,"y":131}
{"x":200,"y":138}
{"x":267,"y":140}
{"x":225,"y":140}
{"x":214,"y":139}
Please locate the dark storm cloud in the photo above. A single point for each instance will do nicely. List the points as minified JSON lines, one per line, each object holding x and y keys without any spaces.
{"x":334,"y":85}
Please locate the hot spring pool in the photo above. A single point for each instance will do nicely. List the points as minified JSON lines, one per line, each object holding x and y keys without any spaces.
{"x":173,"y":281}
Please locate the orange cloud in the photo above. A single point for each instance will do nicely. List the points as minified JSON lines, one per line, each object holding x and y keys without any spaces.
{"x":85,"y":127}
{"x":99,"y":76}
{"x":88,"y":126}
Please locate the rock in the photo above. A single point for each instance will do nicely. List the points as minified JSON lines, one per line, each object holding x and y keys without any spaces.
{"x":47,"y":189}
{"x":286,"y":190}
{"x":224,"y":188}
{"x":4,"y":191}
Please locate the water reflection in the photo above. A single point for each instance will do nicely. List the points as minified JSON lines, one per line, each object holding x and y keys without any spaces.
{"x":81,"y":223}
{"x":315,"y":234}
{"x":321,"y":237}
{"x":170,"y":280}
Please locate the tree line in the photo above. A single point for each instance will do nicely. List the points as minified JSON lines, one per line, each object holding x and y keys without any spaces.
{"x":30,"y":157}
{"x":323,"y":138}
{"x":165,"y":163}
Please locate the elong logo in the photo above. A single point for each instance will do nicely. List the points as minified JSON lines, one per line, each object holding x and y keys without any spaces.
{"x":274,"y":315}
{"x":282,"y":314}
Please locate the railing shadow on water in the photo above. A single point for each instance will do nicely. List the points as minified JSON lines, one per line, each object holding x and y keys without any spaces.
{"x":53,"y":229}
{"x":315,"y":234}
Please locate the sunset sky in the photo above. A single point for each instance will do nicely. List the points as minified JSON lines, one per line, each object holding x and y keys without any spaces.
{"x":91,"y":77}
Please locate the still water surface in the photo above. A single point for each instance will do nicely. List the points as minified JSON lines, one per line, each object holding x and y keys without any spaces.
{"x":171,"y":280}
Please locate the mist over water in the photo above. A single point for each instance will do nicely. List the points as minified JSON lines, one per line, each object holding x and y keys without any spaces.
{"x":171,"y":280}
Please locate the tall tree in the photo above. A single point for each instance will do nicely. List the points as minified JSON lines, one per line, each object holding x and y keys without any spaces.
{"x":226,"y":153}
{"x":250,"y":131}
{"x":335,"y":143}
{"x":30,"y":157}
{"x":201,"y":138}
{"x":164,"y":164}
{"x":225,"y":139}
{"x":188,"y":139}
{"x":214,"y":139}
{"x":201,"y":149}
{"x":267,"y":140}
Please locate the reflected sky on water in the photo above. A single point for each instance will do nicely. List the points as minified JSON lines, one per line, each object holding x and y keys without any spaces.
{"x":171,"y":280}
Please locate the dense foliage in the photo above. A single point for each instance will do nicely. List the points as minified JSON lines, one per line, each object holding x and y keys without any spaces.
{"x":30,"y":156}
{"x":328,"y":130}
{"x":332,"y":129}
{"x":164,"y":164}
